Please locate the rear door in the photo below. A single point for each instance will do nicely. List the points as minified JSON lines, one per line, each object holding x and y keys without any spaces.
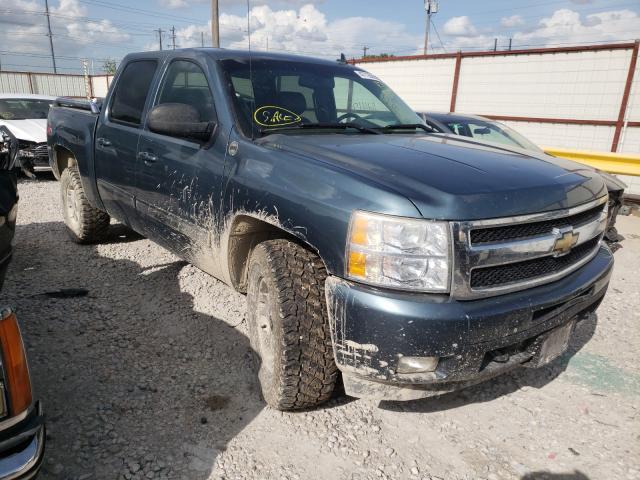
{"x":116,"y":140}
{"x":179,"y":180}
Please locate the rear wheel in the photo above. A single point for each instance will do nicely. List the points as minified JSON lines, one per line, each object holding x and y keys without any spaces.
{"x":288,"y":325}
{"x":85,"y":224}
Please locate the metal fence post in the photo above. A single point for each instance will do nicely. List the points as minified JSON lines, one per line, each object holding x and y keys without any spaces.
{"x":625,"y":96}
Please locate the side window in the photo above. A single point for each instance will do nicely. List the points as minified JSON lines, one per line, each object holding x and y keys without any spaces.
{"x":131,"y":92}
{"x":185,"y":82}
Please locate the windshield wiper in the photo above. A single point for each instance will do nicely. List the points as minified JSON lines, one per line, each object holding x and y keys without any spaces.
{"x":327,"y":126}
{"x":409,"y":126}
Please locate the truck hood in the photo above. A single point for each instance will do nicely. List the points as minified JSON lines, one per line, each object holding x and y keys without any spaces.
{"x":451,"y":178}
{"x":31,"y":130}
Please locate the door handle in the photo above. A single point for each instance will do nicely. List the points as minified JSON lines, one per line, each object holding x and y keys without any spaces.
{"x":148,"y":158}
{"x":103,"y":142}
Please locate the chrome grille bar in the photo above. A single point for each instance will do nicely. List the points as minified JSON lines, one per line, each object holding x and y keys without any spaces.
{"x":468,"y":256}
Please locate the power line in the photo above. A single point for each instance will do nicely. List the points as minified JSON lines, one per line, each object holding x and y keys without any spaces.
{"x":438,"y":35}
{"x":148,"y":13}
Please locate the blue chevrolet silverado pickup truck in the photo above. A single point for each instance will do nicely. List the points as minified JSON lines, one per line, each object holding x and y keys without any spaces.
{"x":410,"y":262}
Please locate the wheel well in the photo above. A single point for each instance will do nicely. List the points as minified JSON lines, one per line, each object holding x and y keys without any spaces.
{"x":64,"y":159}
{"x":246,"y":233}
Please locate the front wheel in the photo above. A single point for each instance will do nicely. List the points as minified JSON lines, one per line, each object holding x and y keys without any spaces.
{"x":85,"y":224}
{"x":289,"y":327}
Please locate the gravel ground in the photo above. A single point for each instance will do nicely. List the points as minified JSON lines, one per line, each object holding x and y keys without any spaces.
{"x":151,"y":376}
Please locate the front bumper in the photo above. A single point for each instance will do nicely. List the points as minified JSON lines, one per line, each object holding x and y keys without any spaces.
{"x":22,"y":446}
{"x":372,"y":328}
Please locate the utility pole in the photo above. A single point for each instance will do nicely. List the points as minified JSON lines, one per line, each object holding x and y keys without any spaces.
{"x":53,"y":55}
{"x":495,"y":44}
{"x":431,"y":7}
{"x":173,"y":37}
{"x":160,"y":37}
{"x":510,"y":40}
{"x":215,"y":24}
{"x":87,"y":80}
{"x":202,"y":39}
{"x":364,"y":51}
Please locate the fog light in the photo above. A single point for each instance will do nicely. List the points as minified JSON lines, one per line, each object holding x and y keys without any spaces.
{"x":417,"y":364}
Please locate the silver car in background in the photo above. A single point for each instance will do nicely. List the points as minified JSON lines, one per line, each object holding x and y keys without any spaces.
{"x":25,"y":115}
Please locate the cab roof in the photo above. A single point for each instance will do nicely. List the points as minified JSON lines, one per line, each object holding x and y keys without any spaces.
{"x":230,"y":54}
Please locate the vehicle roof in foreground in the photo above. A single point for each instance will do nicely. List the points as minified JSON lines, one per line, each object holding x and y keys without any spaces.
{"x":241,"y":55}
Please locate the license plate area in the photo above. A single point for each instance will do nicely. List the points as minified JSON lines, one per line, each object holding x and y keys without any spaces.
{"x":554,"y":343}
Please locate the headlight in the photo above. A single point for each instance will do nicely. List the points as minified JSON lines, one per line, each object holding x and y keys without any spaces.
{"x":396,"y":252}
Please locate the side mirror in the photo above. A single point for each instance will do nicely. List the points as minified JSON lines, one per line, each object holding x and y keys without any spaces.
{"x":179,"y":120}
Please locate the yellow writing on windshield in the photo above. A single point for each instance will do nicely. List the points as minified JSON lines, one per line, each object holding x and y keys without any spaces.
{"x":274,"y":116}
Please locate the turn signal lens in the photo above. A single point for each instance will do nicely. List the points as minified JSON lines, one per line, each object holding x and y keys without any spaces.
{"x":14,"y":361}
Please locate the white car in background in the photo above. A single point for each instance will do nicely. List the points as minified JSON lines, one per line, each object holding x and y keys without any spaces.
{"x":25,"y":115}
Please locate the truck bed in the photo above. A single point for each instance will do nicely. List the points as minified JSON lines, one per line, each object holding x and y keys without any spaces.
{"x":72,"y":125}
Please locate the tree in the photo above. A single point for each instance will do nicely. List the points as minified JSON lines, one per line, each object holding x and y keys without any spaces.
{"x":109,"y":66}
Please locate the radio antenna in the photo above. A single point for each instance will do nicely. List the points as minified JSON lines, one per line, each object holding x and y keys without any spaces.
{"x":250,"y":66}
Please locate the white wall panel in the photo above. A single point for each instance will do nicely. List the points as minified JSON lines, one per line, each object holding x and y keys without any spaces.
{"x":14,"y":82}
{"x":634,"y":98}
{"x":631,"y":141}
{"x":561,"y":135}
{"x":59,"y":85}
{"x":423,"y":84}
{"x":578,"y":85}
{"x":100,"y":85}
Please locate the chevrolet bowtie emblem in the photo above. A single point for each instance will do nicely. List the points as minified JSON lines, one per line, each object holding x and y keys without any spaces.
{"x":566,"y":238}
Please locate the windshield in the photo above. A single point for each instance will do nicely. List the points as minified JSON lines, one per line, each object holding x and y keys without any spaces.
{"x":492,"y":132}
{"x":23,"y":108}
{"x":279,"y":95}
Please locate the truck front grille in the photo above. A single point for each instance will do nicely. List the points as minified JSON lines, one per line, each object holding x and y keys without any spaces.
{"x":529,"y":269}
{"x":516,"y":232}
{"x":497,"y":256}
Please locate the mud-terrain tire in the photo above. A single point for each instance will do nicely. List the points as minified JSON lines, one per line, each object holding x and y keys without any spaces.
{"x":289,"y":325}
{"x":85,"y":224}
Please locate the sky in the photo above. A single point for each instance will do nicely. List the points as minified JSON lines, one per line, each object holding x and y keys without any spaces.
{"x":109,"y":29}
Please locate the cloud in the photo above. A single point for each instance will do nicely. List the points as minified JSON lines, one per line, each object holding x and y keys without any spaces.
{"x":304,"y":31}
{"x":73,"y":33}
{"x":512,"y":21}
{"x":459,"y":26}
{"x":568,"y":26}
{"x":175,"y":4}
{"x":562,"y":27}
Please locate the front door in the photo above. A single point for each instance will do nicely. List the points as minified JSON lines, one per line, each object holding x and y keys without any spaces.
{"x":179,"y":180}
{"x":116,"y":140}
